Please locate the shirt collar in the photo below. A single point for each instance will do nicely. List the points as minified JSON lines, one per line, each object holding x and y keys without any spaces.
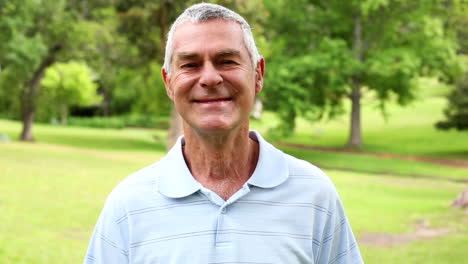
{"x":176,"y":181}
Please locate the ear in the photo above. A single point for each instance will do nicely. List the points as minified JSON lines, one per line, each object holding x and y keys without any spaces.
{"x":167,"y":84}
{"x":259,"y":74}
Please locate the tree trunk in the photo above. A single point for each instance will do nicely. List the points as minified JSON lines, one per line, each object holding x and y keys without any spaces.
{"x":28,"y":108}
{"x":163,"y":26}
{"x":355,"y":137}
{"x":105,"y":102}
{"x":175,"y":129}
{"x":63,"y":114}
{"x":31,"y":91}
{"x":84,"y":9}
{"x":28,"y":119}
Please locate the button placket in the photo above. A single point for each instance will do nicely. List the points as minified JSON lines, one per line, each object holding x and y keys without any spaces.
{"x":219,"y":223}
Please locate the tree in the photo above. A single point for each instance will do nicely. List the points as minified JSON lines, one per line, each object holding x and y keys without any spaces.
{"x":327,"y":51}
{"x":138,"y":20}
{"x":33,"y":35}
{"x":67,"y":84}
{"x":456,"y":113}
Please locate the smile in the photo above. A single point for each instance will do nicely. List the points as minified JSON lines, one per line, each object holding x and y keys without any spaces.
{"x":213,"y":100}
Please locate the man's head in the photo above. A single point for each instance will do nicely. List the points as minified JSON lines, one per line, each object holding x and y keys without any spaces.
{"x":210,"y":74}
{"x":204,"y":12}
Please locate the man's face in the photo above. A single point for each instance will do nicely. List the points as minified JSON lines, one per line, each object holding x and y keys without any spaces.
{"x":213,"y":83}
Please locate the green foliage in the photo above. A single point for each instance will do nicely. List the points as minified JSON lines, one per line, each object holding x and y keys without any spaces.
{"x":21,"y":51}
{"x":107,"y":52}
{"x":408,"y":131}
{"x":140,"y":91}
{"x":70,"y":83}
{"x":311,"y":85}
{"x":322,"y":49}
{"x":9,"y":97}
{"x":67,"y":84}
{"x":34,"y":33}
{"x":456,"y":113}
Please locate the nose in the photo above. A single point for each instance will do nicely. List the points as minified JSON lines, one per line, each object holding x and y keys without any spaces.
{"x":210,"y":77}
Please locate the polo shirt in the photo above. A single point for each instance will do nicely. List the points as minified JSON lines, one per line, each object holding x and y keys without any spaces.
{"x":287,"y":212}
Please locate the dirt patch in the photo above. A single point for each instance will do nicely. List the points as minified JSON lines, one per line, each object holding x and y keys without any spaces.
{"x":458,"y":163}
{"x":422,"y":232}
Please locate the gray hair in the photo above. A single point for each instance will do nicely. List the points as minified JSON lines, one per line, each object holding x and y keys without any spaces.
{"x":203,"y":12}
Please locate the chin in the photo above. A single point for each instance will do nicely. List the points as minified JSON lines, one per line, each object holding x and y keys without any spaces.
{"x":215,"y":126}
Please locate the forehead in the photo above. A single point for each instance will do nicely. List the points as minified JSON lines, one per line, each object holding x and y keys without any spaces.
{"x":209,"y":36}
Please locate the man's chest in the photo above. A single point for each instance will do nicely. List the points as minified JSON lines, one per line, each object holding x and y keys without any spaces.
{"x":246,"y":231}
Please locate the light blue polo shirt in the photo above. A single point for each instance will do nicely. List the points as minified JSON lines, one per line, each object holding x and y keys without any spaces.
{"x":288,"y":212}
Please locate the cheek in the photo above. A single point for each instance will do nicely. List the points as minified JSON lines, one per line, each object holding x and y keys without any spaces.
{"x":182,"y":77}
{"x":242,"y":81}
{"x":182,"y":83}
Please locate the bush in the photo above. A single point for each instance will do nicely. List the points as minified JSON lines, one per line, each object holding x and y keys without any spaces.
{"x":119,"y":122}
{"x":456,"y":113}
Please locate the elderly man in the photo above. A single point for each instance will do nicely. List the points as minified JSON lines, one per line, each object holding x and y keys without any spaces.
{"x":222,"y":194}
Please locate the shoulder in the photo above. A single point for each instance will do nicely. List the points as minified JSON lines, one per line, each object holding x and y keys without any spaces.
{"x":138,"y":181}
{"x":301,"y":168}
{"x":134,"y":190}
{"x":312,"y":178}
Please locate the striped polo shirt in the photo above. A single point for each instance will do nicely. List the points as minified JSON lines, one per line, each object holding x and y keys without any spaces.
{"x":287,"y":212}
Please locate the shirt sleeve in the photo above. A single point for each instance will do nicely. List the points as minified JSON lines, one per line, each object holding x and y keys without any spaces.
{"x":338,"y":243}
{"x":108,"y":242}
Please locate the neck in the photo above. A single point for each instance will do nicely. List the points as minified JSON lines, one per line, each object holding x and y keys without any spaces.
{"x":222,"y":163}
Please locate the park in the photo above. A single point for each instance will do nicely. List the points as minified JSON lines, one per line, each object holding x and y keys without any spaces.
{"x":82,"y":106}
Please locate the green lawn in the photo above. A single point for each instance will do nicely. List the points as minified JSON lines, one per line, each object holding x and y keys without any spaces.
{"x":52,"y":191}
{"x":408,"y":130}
{"x":377,"y":165}
{"x":50,"y":196}
{"x":92,"y":138}
{"x":392,"y":204}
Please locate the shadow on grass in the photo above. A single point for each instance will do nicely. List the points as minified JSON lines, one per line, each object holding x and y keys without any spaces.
{"x":450,"y":154}
{"x":380,"y":166}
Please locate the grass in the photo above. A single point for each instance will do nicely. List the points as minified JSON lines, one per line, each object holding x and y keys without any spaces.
{"x":408,"y":130}
{"x":131,"y":139}
{"x":450,"y":249}
{"x":52,"y":191}
{"x":50,"y":196}
{"x":387,"y":204}
{"x":371,"y":164}
{"x":391,"y":204}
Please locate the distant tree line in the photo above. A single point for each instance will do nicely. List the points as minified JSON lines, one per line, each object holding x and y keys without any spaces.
{"x":59,"y":54}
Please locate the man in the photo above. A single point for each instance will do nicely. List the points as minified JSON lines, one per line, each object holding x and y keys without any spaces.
{"x":222,"y":194}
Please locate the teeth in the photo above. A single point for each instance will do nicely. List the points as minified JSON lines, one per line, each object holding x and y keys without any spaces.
{"x":213,"y":101}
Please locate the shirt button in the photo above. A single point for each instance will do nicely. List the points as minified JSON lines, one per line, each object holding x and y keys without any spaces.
{"x":223,"y":211}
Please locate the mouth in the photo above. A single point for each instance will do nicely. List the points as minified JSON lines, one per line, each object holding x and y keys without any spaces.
{"x":213,"y":100}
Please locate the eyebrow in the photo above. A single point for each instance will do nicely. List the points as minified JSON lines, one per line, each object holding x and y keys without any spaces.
{"x":228,"y":52}
{"x":187,"y":55}
{"x":193,"y":55}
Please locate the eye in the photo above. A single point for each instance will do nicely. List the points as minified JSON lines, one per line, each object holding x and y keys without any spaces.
{"x":189,"y":65}
{"x":228,"y":62}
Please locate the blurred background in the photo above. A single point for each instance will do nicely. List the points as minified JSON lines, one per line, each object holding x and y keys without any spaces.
{"x":375,"y":92}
